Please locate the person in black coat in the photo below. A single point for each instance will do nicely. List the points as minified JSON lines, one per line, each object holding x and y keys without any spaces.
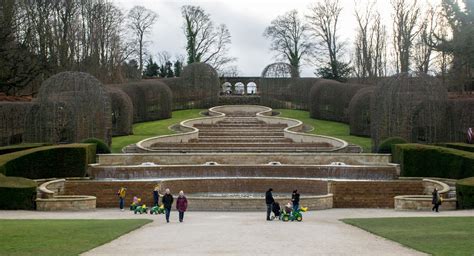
{"x":436,"y":201}
{"x":295,"y":199}
{"x":167,"y":202}
{"x":269,"y":201}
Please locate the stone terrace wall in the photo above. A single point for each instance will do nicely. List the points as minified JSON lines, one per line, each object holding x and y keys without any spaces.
{"x":309,"y":171}
{"x":244,"y":158}
{"x":106,"y":191}
{"x":372,"y":194}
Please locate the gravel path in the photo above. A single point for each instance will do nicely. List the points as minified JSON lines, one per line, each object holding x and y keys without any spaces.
{"x":244,"y":233}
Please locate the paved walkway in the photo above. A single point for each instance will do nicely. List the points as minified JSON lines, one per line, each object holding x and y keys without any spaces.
{"x":244,"y":233}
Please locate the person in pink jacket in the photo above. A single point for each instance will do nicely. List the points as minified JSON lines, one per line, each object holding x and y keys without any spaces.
{"x":181,"y":205}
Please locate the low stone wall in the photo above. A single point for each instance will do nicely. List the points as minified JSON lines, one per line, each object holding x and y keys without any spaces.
{"x":66,"y":203}
{"x":301,"y":171}
{"x":372,"y":194}
{"x":50,"y":198}
{"x":245,"y":158}
{"x":421,"y":203}
{"x":254,"y":204}
{"x":106,"y":191}
{"x":345,"y":194}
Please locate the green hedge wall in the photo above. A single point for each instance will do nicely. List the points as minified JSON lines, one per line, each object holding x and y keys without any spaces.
{"x":465,"y":193}
{"x":20,"y":147}
{"x":17,"y":193}
{"x":47,"y":162}
{"x":460,"y":146}
{"x":417,"y":160}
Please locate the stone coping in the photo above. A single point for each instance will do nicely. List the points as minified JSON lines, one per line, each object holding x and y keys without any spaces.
{"x":47,"y":193}
{"x":263,"y":113}
{"x":66,"y":198}
{"x":443,"y":188}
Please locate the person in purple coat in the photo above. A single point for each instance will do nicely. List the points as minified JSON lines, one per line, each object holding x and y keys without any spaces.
{"x":181,"y":205}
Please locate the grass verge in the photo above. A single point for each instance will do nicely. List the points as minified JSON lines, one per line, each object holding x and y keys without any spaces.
{"x":61,"y":237}
{"x":328,"y":128}
{"x":434,"y":235}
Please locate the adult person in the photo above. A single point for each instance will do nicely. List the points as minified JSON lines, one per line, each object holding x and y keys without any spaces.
{"x":295,"y":199}
{"x":181,"y":205}
{"x":269,"y":201}
{"x":121,"y":193}
{"x":156,"y":195}
{"x":436,"y":201}
{"x":167,"y":202}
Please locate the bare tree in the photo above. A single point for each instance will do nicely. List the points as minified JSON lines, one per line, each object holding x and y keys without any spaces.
{"x":370,"y":43}
{"x":422,"y":52}
{"x":405,"y":31}
{"x":290,"y":39}
{"x":205,"y":42}
{"x":140,"y":21}
{"x":323,"y":20}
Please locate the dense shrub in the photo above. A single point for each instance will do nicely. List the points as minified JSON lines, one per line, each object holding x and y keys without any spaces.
{"x":465,"y":193}
{"x":47,"y":162}
{"x":17,"y":193}
{"x":20,"y":147}
{"x":101,"y":147}
{"x":385,"y":146}
{"x":460,"y":146}
{"x":418,"y":160}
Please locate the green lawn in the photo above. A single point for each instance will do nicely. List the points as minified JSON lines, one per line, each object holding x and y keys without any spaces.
{"x":436,"y":235}
{"x":145,"y":130}
{"x":328,"y":128}
{"x":60,"y":237}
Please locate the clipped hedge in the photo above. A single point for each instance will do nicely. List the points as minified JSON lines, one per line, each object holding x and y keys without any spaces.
{"x":385,"y":146}
{"x":465,"y":193}
{"x":460,"y":146}
{"x":20,"y":147}
{"x":418,"y":160}
{"x":69,"y":160}
{"x":17,"y":193}
{"x":101,"y":147}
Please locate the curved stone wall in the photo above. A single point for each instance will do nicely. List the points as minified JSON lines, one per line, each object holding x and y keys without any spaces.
{"x":262,"y":113}
{"x":49,"y":200}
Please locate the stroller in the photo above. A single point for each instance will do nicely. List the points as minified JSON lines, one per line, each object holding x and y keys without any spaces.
{"x":276,"y":211}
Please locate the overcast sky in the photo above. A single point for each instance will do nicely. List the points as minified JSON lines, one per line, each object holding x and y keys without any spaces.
{"x":246,"y":21}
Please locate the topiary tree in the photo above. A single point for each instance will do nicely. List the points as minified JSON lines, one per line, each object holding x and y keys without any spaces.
{"x":385,"y":146}
{"x":151,"y":99}
{"x":71,"y":106}
{"x":101,"y":147}
{"x":122,"y":112}
{"x":359,"y":112}
{"x":460,"y":118}
{"x":409,"y":106}
{"x":13,"y":121}
{"x":329,"y":100}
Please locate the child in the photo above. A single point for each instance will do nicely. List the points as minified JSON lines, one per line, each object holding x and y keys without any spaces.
{"x":288,"y":208}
